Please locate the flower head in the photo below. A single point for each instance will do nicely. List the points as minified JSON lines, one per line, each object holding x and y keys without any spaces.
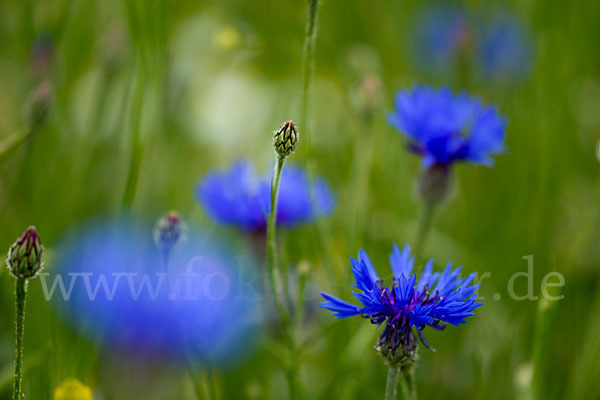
{"x":200,"y":308}
{"x":444,"y":128}
{"x":506,"y":52}
{"x":409,"y":304}
{"x":24,"y":258}
{"x":442,"y":35}
{"x":240,"y":197}
{"x":448,"y":39}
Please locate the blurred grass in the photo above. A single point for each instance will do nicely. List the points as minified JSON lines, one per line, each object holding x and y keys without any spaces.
{"x":202,"y":104}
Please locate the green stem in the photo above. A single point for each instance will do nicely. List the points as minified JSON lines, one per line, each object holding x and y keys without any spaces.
{"x":308,"y":61}
{"x":274,"y":270}
{"x":14,"y":141}
{"x":195,"y":383}
{"x":540,"y":339}
{"x":407,"y":383}
{"x":411,"y":385}
{"x":424,"y":227}
{"x":136,"y":143}
{"x":275,"y":279}
{"x":20,"y":292}
{"x":211,"y":386}
{"x":391,"y":386}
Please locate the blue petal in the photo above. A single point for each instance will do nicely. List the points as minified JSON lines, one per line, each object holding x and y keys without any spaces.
{"x":340,"y":308}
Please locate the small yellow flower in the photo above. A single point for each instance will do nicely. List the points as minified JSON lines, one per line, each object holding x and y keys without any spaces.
{"x":228,"y":38}
{"x":72,"y":389}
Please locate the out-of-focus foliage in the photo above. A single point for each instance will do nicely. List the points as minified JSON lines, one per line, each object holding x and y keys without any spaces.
{"x":184,"y":87}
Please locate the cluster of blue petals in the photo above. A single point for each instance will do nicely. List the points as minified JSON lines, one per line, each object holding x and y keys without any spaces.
{"x":241,"y":198}
{"x":444,"y":128}
{"x":410,"y":304}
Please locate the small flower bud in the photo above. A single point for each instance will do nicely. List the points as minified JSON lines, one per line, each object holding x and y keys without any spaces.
{"x":38,"y":107}
{"x":434,"y":185}
{"x":169,"y":231}
{"x":285,"y":139}
{"x":24,"y":258}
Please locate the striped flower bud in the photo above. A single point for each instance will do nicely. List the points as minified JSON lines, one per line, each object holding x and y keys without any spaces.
{"x":25,"y":255}
{"x":285,"y":139}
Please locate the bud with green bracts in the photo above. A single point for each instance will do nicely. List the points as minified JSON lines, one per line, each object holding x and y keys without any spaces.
{"x":24,"y":258}
{"x":285,"y":139}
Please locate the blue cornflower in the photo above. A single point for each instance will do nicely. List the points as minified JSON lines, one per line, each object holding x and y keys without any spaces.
{"x":442,"y":35}
{"x":408,"y":305}
{"x":445,"y":128}
{"x":506,"y":51}
{"x":449,"y":39}
{"x":239,"y":197}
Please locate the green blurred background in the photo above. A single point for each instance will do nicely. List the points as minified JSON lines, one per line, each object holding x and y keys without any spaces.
{"x":197,"y":84}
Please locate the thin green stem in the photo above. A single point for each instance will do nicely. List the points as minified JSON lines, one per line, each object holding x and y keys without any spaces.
{"x":308,"y":61}
{"x":211,"y":384}
{"x":300,"y":291}
{"x":411,"y":385}
{"x":391,"y":386}
{"x":20,"y":292}
{"x":13,"y":141}
{"x":272,"y":254}
{"x":542,"y":326}
{"x":275,"y":279}
{"x":423,"y":230}
{"x":195,"y":383}
{"x":136,"y":143}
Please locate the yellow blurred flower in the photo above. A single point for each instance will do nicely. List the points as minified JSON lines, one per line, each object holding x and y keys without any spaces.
{"x":72,"y":389}
{"x":228,"y":38}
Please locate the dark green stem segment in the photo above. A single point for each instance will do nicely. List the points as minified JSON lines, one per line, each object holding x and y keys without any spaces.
{"x":20,"y":292}
{"x":308,"y":60}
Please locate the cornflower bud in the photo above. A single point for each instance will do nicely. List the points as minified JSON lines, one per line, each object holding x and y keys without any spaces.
{"x":24,"y":258}
{"x":285,"y":139}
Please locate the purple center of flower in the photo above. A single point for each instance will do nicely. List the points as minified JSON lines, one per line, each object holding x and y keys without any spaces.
{"x":398,"y":329}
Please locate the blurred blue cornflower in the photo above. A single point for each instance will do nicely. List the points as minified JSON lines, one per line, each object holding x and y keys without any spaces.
{"x":444,"y":128}
{"x":505,"y":51}
{"x":441,"y":35}
{"x":409,"y":305}
{"x":239,"y":197}
{"x":111,"y":284}
{"x":447,"y":38}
